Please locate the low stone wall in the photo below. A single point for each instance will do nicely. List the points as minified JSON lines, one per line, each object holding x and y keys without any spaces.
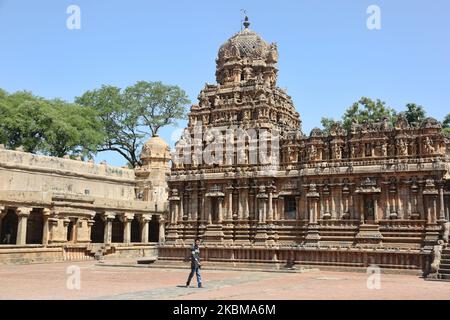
{"x":304,"y":256}
{"x":13,"y":254}
{"x":30,"y":254}
{"x":133,"y":251}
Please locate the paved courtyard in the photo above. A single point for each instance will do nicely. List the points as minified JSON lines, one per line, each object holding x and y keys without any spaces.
{"x":51,"y":281}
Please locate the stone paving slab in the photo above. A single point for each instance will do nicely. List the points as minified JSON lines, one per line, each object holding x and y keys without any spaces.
{"x":49,"y":281}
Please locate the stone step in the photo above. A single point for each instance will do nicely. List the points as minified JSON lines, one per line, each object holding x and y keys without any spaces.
{"x":445,"y":256}
{"x":445,"y":265}
{"x":444,"y":276}
{"x":444,"y":271}
{"x":147,"y":260}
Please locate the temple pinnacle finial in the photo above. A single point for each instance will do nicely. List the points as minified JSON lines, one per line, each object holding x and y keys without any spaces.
{"x":246,"y":23}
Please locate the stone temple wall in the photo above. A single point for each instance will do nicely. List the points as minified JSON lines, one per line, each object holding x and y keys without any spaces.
{"x":21,"y":171}
{"x":56,"y":209}
{"x":375,"y":193}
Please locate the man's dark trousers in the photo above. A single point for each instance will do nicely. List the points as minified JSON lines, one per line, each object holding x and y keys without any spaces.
{"x":195,"y":269}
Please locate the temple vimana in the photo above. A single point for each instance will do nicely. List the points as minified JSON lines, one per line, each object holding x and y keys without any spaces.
{"x":246,"y":180}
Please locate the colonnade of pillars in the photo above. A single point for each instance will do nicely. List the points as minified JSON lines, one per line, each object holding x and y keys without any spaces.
{"x":15,"y":226}
{"x":126,"y":219}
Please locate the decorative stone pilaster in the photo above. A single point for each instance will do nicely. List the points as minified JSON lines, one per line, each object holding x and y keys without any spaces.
{"x":261,"y":229}
{"x":162,"y":229}
{"x":172,"y":229}
{"x":312,"y":238}
{"x":441,"y":203}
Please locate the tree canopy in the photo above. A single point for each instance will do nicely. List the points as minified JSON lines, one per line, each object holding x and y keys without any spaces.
{"x":49,"y":127}
{"x":128,"y":115}
{"x":368,"y":110}
{"x":364,"y":110}
{"x":446,"y":124}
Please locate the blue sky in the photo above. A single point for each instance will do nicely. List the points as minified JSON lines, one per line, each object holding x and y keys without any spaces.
{"x":328,"y":57}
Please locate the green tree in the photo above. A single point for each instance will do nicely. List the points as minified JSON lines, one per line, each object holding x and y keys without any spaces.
{"x":414,"y":113}
{"x":50,"y":127}
{"x":446,"y":125}
{"x":75,"y":130}
{"x":128,"y":115}
{"x":364,"y":110}
{"x":120,"y":122}
{"x":158,"y":104}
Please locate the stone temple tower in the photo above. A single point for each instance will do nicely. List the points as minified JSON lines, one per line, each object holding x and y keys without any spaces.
{"x":219,"y":200}
{"x":254,"y":188}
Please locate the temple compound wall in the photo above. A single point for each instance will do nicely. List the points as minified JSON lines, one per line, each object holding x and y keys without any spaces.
{"x":378,"y":193}
{"x":54,"y":209}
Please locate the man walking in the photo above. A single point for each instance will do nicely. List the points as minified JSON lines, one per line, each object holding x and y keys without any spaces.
{"x":195,"y":264}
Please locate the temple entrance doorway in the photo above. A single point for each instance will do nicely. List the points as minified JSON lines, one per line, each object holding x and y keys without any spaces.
{"x":369,"y":209}
{"x":98,"y":230}
{"x":214,"y":209}
{"x":8,"y":234}
{"x":72,"y":231}
{"x":35,"y":227}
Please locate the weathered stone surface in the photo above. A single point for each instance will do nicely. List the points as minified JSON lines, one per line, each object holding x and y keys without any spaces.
{"x":67,"y":204}
{"x":376,"y":187}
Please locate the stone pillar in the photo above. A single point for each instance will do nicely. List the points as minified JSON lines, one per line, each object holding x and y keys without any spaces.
{"x":173,"y":211}
{"x":434,"y":218}
{"x":246,"y":205}
{"x":361,"y":208}
{"x":297,"y":208}
{"x":400,"y":213}
{"x":270,"y":209}
{"x":333,"y":202}
{"x":312,"y":237}
{"x":46,"y":230}
{"x":375,"y":209}
{"x":387,"y":213}
{"x":187,"y":205}
{"x":2,"y":214}
{"x":441,"y":203}
{"x":22,"y":213}
{"x":126,"y":219}
{"x":276,"y":216}
{"x":240,"y":204}
{"x":144,"y":227}
{"x":181,"y":209}
{"x":194,"y":206}
{"x":219,"y":209}
{"x":209,"y":210}
{"x":280,"y":208}
{"x":162,"y":229}
{"x":202,"y":207}
{"x":108,"y":217}
{"x":230,"y":205}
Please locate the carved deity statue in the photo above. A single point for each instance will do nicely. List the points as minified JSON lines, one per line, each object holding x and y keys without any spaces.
{"x":428,"y":146}
{"x":312,"y":153}
{"x":336,"y":149}
{"x":402,"y":148}
{"x":384,"y":150}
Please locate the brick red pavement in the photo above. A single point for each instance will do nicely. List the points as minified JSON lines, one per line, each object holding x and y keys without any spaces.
{"x":49,"y":281}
